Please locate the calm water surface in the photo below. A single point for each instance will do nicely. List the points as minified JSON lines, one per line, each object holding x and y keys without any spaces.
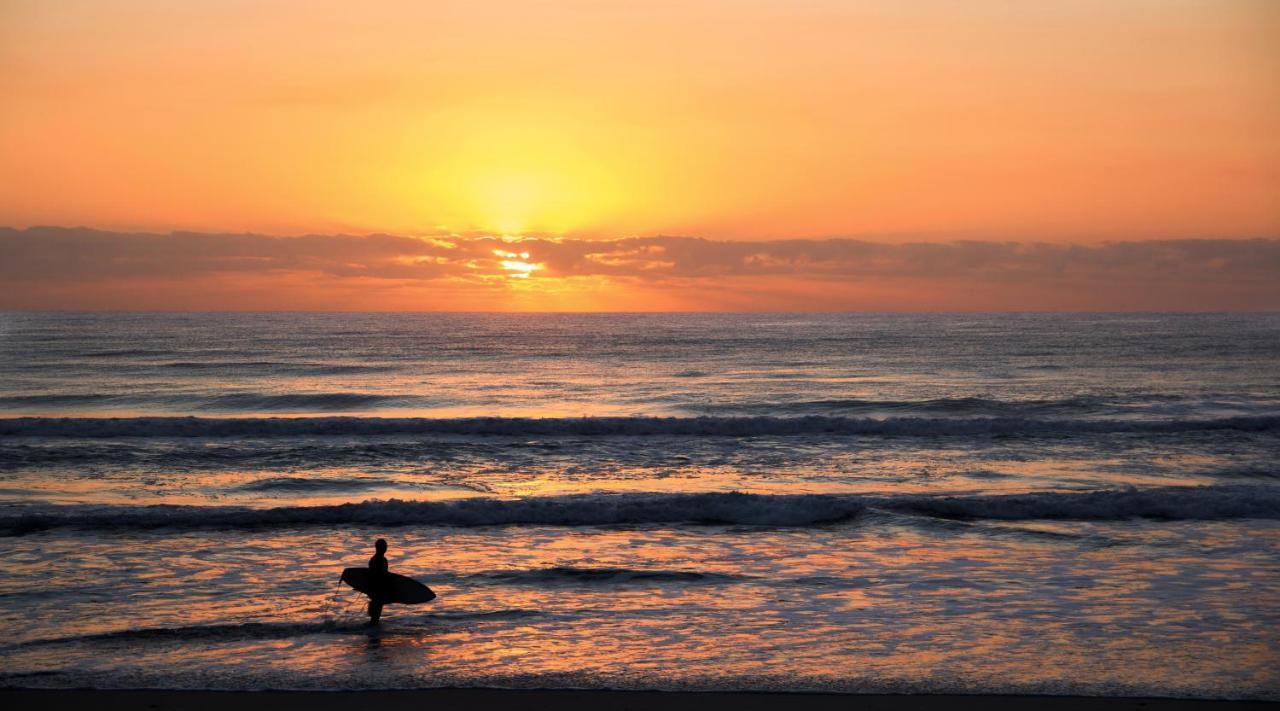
{"x":1034,"y":503}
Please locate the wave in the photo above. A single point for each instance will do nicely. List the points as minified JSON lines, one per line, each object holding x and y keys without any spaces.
{"x":260,"y":402}
{"x":260,"y":630}
{"x":293,"y":484}
{"x":948,"y":406}
{"x":272,"y":367}
{"x":127,"y":353}
{"x":62,"y":400}
{"x":575,"y":575}
{"x":229,"y":631}
{"x":250,"y":402}
{"x":1173,"y":503}
{"x":1145,"y":405}
{"x":87,"y":427}
{"x":796,"y":510}
{"x":277,"y":455}
{"x":1244,"y":472}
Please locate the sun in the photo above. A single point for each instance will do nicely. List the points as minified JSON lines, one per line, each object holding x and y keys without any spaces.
{"x":515,"y":202}
{"x":535,"y":175}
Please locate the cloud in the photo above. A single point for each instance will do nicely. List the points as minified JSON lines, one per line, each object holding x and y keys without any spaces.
{"x":84,"y":254}
{"x":1246,"y":270}
{"x":842,"y":259}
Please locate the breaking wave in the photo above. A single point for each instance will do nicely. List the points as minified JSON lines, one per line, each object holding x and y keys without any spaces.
{"x":799,"y":510}
{"x":98,"y":427}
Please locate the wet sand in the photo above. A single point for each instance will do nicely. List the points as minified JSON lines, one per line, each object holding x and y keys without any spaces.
{"x":572,"y":700}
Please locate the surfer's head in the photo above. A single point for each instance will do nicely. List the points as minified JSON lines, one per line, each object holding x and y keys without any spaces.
{"x":380,"y":545}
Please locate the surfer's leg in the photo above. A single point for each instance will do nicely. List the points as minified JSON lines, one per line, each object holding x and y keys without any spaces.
{"x":375,"y":611}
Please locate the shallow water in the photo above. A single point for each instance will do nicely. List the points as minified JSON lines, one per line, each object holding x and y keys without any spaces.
{"x":1043,"y":503}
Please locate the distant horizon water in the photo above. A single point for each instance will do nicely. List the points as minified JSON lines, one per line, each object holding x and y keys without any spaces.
{"x":672,"y":312}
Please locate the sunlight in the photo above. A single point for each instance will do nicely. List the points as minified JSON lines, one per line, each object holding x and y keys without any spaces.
{"x":510,"y":200}
{"x":540,"y":174}
{"x":518,"y":269}
{"x":516,"y":263}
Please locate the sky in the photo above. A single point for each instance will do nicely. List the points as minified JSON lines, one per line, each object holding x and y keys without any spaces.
{"x":1042,"y":155}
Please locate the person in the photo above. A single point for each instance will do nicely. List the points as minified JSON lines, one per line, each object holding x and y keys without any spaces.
{"x":379,"y":580}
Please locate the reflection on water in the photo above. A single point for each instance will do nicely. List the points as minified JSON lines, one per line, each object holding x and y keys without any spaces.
{"x":848,"y":606}
{"x":311,"y":471}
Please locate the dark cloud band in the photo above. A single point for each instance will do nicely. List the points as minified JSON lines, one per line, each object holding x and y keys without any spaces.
{"x":52,"y":267}
{"x":84,"y":254}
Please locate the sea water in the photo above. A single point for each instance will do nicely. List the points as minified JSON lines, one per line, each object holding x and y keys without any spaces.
{"x":975,"y":503}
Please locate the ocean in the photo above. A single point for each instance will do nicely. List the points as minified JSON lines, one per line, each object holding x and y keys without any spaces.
{"x":1005,"y":503}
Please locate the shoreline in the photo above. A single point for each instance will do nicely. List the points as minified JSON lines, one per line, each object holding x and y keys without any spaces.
{"x":574,"y":699}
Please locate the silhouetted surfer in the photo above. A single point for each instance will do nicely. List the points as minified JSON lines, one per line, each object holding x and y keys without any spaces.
{"x":383,"y":586}
{"x":379,"y":580}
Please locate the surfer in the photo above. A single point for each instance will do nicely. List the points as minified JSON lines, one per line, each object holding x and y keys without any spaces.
{"x":379,"y":579}
{"x":383,"y":586}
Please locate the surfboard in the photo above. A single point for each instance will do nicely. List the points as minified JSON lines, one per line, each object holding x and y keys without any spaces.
{"x":402,"y":590}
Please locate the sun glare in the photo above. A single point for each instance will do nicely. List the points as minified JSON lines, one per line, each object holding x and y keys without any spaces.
{"x":518,"y":269}
{"x":516,"y":263}
{"x":542,"y":173}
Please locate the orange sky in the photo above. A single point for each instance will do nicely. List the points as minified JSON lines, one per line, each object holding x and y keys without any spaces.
{"x":1084,"y":121}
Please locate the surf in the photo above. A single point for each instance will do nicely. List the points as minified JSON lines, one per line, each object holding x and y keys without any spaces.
{"x":1174,"y":503}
